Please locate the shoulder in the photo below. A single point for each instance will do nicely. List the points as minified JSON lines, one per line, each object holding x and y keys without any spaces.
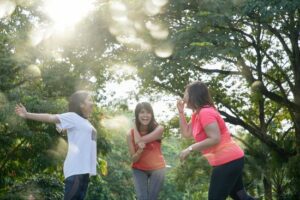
{"x":129,"y":133}
{"x":208,"y":110}
{"x":160,"y":127}
{"x":68,"y":114}
{"x":70,"y":118}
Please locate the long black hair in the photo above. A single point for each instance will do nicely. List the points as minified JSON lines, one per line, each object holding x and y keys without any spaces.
{"x":147,"y":106}
{"x":198,"y":95}
{"x":76,"y":99}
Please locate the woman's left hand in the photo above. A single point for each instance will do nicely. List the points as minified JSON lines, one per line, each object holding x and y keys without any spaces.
{"x":183,"y":155}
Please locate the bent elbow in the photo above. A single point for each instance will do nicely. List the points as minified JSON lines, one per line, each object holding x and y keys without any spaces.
{"x":217,"y":140}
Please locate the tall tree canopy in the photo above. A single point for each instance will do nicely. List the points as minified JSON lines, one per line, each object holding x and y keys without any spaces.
{"x":248,"y":54}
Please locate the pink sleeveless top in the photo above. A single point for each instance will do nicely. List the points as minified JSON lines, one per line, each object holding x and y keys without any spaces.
{"x":227,"y":150}
{"x":151,"y":158}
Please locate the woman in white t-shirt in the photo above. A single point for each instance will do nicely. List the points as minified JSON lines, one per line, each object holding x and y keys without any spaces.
{"x":80,"y":162}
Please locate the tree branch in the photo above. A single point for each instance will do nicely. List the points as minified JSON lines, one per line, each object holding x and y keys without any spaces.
{"x":258,"y":134}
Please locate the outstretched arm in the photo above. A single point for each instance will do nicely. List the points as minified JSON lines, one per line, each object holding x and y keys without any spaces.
{"x":42,"y":117}
{"x":156,"y":134}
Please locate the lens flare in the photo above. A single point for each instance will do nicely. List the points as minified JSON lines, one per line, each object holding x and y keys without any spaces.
{"x":6,"y":8}
{"x":151,"y":9}
{"x":160,"y":3}
{"x":66,"y":13}
{"x":37,"y":35}
{"x":117,"y":123}
{"x":165,"y":50}
{"x":33,"y":71}
{"x":160,"y":34}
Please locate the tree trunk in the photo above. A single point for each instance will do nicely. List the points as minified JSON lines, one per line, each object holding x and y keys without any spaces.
{"x":267,"y":188}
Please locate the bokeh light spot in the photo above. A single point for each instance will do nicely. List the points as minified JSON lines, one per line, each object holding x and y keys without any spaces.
{"x":6,"y":8}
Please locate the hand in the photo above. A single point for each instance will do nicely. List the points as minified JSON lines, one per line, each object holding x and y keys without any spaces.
{"x":141,"y":145}
{"x":21,"y":110}
{"x":140,"y":150}
{"x":180,"y":105}
{"x":183,"y":155}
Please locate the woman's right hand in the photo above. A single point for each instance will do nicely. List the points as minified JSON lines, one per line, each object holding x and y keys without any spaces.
{"x":141,"y":145}
{"x":21,"y":110}
{"x":180,"y":105}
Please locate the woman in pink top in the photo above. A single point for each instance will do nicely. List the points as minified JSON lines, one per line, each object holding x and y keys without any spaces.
{"x":213,"y":140}
{"x":144,"y":143}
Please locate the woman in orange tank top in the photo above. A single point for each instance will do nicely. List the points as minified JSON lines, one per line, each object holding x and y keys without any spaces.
{"x":144,"y":143}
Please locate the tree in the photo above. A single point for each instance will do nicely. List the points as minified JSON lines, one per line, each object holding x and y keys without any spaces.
{"x":30,"y":151}
{"x":248,"y":53}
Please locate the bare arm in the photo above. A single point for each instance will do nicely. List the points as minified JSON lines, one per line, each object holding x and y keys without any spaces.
{"x":213,"y":138}
{"x":135,"y":155}
{"x":42,"y":117}
{"x":156,"y":134}
{"x":185,"y":128}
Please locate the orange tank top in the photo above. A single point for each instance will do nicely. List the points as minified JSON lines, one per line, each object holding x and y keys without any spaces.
{"x":151,"y":158}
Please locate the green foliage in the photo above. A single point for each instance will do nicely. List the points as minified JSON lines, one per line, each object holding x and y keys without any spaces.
{"x":44,"y":187}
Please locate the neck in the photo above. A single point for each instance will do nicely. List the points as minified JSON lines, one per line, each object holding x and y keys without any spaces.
{"x":143,"y":128}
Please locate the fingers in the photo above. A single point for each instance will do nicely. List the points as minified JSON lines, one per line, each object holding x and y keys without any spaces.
{"x":180,"y":101}
{"x":18,"y":107}
{"x":141,"y":145}
{"x":20,"y":110}
{"x":183,"y":155}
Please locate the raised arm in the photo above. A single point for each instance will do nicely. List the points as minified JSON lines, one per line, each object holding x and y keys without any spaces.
{"x":185,"y":128}
{"x":135,"y":155}
{"x":42,"y":117}
{"x":156,"y":134}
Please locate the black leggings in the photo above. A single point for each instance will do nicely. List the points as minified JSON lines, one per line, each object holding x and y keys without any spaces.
{"x":226,"y":180}
{"x":76,"y":187}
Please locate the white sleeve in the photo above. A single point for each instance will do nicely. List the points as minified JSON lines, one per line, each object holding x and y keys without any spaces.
{"x":67,"y":120}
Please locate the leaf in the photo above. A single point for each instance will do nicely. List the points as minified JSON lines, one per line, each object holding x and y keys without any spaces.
{"x":102,"y":166}
{"x":202,"y":44}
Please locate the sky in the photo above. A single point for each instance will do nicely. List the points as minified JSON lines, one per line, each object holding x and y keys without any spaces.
{"x":164,"y":107}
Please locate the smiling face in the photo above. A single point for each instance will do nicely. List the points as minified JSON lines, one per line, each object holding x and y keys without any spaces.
{"x":144,"y":117}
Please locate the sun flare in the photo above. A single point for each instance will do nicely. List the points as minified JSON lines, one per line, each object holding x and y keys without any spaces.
{"x":66,"y":13}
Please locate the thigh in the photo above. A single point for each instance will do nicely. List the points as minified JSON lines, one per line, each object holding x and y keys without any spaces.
{"x":156,"y":180}
{"x":71,"y":187}
{"x":140,"y":178}
{"x":217,"y":189}
{"x":76,"y":187}
{"x":84,"y":182}
{"x":224,"y":179}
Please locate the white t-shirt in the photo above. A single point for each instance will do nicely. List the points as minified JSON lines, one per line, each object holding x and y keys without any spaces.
{"x":82,"y":146}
